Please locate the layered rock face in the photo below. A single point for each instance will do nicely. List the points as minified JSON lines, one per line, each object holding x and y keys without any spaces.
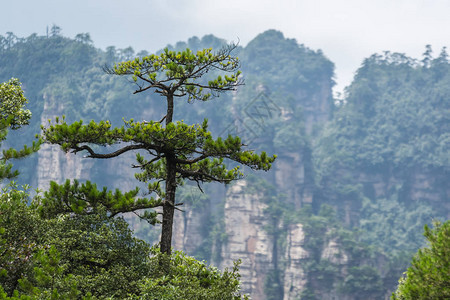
{"x":292,"y":178}
{"x":54,"y":164}
{"x":246,"y":221}
{"x":295,"y":278}
{"x":246,"y":239}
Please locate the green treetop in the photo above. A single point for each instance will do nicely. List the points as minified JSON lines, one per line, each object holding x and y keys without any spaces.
{"x":428,"y":277}
{"x":13,"y":115}
{"x":176,"y":151}
{"x":12,"y":104}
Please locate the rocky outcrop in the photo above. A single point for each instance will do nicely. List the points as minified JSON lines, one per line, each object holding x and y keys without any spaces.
{"x":317,"y":107}
{"x":190,"y":228}
{"x":54,"y":164}
{"x":430,"y":186}
{"x":290,"y":178}
{"x":246,"y":239}
{"x":295,"y":278}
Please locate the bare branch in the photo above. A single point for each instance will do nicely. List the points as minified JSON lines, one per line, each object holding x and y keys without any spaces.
{"x":199,"y":176}
{"x":199,"y":187}
{"x":147,"y":163}
{"x":191,"y":161}
{"x":138,"y":207}
{"x":174,"y":205}
{"x":92,"y":154}
{"x":160,"y":121}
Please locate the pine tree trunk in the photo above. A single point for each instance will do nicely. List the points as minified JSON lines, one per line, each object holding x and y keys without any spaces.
{"x":169,"y":207}
{"x":171,"y":185}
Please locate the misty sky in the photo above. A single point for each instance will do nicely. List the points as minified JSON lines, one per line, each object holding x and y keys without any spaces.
{"x":347,"y":31}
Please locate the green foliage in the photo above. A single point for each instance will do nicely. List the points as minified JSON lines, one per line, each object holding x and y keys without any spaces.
{"x":270,"y":53}
{"x":29,"y":268}
{"x":385,"y":143}
{"x":79,"y":256}
{"x":38,"y":60}
{"x":20,"y":232}
{"x":12,"y":104}
{"x":188,"y":278}
{"x":393,"y":227}
{"x":196,"y":44}
{"x":153,"y":137}
{"x":273,"y":287}
{"x":86,"y":199}
{"x":43,"y":64}
{"x":181,"y":72}
{"x":290,"y":137}
{"x":396,"y":114}
{"x":365,"y":280}
{"x":48,"y":280}
{"x":192,"y":195}
{"x":428,"y":276}
{"x":100,"y":253}
{"x":73,"y":253}
{"x":13,"y":115}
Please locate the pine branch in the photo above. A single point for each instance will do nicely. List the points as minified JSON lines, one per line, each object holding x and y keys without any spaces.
{"x":92,"y":154}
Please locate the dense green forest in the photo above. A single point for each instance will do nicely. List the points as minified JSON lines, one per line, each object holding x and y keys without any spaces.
{"x":364,"y":173}
{"x":395,"y":126}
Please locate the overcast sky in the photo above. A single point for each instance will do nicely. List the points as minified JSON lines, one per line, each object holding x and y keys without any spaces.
{"x":347,"y":31}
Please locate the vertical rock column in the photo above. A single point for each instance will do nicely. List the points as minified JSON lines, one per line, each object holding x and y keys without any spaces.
{"x":53,"y":163}
{"x":295,"y":279}
{"x":247,"y":239}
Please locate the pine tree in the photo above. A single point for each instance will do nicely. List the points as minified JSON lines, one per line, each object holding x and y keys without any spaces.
{"x":177,"y":151}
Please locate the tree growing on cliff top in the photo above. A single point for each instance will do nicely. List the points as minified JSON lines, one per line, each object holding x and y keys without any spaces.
{"x":176,"y":151}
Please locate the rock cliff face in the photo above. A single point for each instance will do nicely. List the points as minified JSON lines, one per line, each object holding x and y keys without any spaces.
{"x":54,"y":164}
{"x":190,"y":227}
{"x":290,"y":177}
{"x":430,"y":186}
{"x":247,"y":239}
{"x":245,"y":219}
{"x":295,"y":278}
{"x":318,"y":107}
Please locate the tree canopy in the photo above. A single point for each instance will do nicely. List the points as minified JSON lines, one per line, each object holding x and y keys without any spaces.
{"x":396,"y":114}
{"x":92,"y":256}
{"x":12,"y":104}
{"x":428,"y":277}
{"x":13,"y":115}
